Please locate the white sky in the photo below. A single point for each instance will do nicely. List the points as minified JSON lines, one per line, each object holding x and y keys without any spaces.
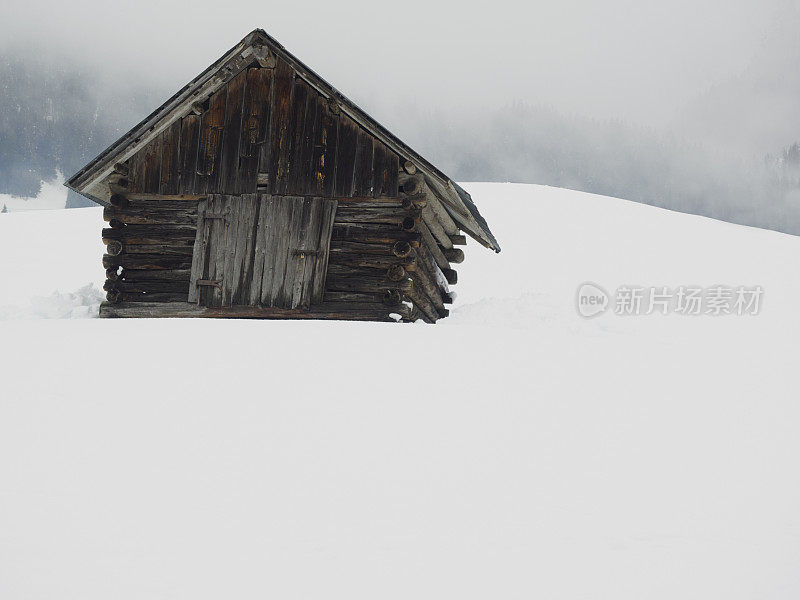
{"x":638,"y":60}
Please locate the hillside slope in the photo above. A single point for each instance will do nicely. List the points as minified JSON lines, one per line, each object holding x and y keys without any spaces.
{"x":542,"y":454}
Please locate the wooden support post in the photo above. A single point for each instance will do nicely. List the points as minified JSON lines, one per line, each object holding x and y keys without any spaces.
{"x":436,"y":228}
{"x":430,"y":243}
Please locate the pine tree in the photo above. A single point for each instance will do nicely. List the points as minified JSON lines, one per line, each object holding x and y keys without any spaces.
{"x":5,"y":209}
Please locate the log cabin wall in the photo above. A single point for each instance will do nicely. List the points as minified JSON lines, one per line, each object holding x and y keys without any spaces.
{"x":149,"y":246}
{"x":268,"y":131}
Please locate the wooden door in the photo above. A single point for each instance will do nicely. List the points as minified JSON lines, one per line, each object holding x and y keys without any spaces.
{"x":261,"y":250}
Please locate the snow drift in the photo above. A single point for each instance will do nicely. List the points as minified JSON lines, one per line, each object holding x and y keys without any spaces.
{"x":542,"y":454}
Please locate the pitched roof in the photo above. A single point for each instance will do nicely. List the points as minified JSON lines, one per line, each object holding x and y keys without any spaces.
{"x":86,"y":181}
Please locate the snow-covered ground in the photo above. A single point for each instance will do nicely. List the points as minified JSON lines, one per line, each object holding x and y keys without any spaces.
{"x":539,"y":454}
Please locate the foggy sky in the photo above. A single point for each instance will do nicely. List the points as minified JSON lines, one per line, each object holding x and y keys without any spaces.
{"x":635,"y":60}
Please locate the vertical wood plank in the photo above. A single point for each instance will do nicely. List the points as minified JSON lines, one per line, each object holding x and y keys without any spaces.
{"x":284,"y":284}
{"x":211,"y":133}
{"x":228,"y":176}
{"x":233,"y":230}
{"x":393,"y":170}
{"x":136,"y":171}
{"x":273,"y":229}
{"x":170,"y":159}
{"x":282,"y":233}
{"x":301,"y":182}
{"x":199,"y":251}
{"x":288,"y":183}
{"x":325,"y":162}
{"x":379,"y":175}
{"x":190,"y":130}
{"x":247,"y":266}
{"x":304,"y":251}
{"x":328,"y":210}
{"x":346,"y":156}
{"x":255,"y":127}
{"x":152,"y":165}
{"x":275,"y":161}
{"x":363,"y":165}
{"x":204,"y":293}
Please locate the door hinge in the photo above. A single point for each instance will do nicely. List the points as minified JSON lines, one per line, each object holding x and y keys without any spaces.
{"x":217,"y":283}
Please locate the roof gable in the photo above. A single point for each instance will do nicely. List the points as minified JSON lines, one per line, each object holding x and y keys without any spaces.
{"x":260,"y":49}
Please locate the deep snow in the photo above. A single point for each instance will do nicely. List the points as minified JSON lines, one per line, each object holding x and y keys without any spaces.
{"x":540,"y":454}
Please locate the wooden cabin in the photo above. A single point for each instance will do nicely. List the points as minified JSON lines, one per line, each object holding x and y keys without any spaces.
{"x":259,"y":190}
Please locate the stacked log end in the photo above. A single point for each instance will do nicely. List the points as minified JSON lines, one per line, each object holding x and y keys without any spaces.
{"x":149,"y":245}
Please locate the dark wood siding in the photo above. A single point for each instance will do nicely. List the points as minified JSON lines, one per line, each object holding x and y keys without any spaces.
{"x":267,"y":130}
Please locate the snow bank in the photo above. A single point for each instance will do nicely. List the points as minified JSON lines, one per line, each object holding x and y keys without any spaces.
{"x":50,"y":263}
{"x":538,"y":454}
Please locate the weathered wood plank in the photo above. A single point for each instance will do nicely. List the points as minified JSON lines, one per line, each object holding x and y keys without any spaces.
{"x":303,"y":253}
{"x":436,"y":228}
{"x":392,"y":172}
{"x":346,"y":156}
{"x":372,"y":233}
{"x":264,"y":208}
{"x":284,"y":208}
{"x":147,"y":261}
{"x":136,"y":172}
{"x":255,"y":127}
{"x":243,"y":256}
{"x":151,"y":167}
{"x":360,"y":248}
{"x":328,"y":213}
{"x":183,"y":275}
{"x":151,"y":234}
{"x":200,"y":254}
{"x":190,"y":137}
{"x":291,"y":262}
{"x":167,"y":248}
{"x":212,"y":124}
{"x":363,"y":280}
{"x":362,"y":172}
{"x":368,"y":202}
{"x":433,"y":247}
{"x":295,"y":169}
{"x":325,"y":149}
{"x":227,"y":181}
{"x":380,"y":164}
{"x":370,"y":261}
{"x":342,"y":311}
{"x":275,"y":160}
{"x":170,"y":159}
{"x":151,"y":217}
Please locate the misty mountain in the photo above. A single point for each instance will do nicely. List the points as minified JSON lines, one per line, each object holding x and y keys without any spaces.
{"x":534,"y":144}
{"x":756,"y":110}
{"x":56,"y":118}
